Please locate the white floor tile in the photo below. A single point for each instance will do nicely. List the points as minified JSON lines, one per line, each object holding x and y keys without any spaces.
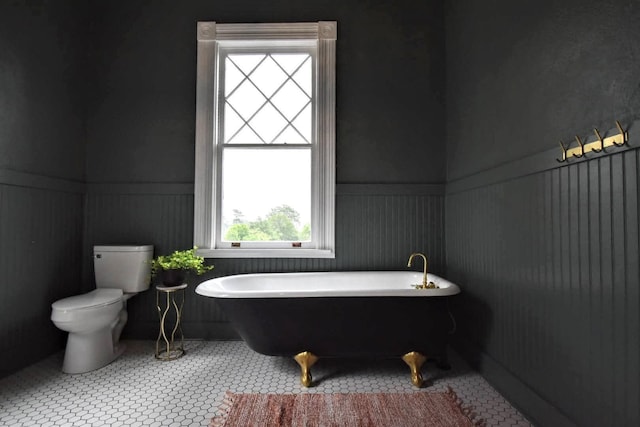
{"x":138,"y":390}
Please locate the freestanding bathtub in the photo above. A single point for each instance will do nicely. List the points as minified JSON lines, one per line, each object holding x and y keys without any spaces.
{"x":338,"y":314}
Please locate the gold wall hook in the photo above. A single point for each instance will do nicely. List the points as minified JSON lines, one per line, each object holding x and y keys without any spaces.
{"x":564,"y":153}
{"x":596,"y":146}
{"x":581,"y":145}
{"x":599,"y":139}
{"x":624,"y":136}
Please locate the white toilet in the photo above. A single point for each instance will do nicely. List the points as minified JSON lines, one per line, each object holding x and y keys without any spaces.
{"x":95,"y":320}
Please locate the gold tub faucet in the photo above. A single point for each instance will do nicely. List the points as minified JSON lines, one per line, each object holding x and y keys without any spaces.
{"x":424,"y":285}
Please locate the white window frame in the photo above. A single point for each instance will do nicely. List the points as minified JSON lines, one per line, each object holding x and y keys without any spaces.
{"x":211,"y":38}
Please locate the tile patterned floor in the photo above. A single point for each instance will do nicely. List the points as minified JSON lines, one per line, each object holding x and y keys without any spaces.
{"x":137,"y":390}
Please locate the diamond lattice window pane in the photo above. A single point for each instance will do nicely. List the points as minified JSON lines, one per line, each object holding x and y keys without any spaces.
{"x":268,"y":77}
{"x":246,"y":100}
{"x":290,"y":136}
{"x":290,"y":99}
{"x":290,"y":61}
{"x":268,"y":123}
{"x":267,"y":98}
{"x":303,"y":78}
{"x":247,"y":62}
{"x":303,"y":123}
{"x":245,"y":136}
{"x":232,"y":77}
{"x":232,"y":123}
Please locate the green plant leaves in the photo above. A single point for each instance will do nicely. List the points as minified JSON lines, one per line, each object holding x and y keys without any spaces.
{"x":180,"y":260}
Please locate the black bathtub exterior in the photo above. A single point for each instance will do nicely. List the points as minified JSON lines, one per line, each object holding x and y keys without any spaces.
{"x":342,"y":326}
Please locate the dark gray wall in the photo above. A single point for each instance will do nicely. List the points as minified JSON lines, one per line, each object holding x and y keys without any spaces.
{"x":390,"y":135}
{"x":523,"y":75}
{"x":41,"y":74}
{"x":547,"y":255}
{"x":390,"y":108}
{"x":41,"y":172}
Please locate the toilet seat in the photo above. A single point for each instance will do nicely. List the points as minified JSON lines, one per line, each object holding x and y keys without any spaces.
{"x":94,"y":299}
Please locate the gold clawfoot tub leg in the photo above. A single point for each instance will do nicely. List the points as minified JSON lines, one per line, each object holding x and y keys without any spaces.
{"x":306,"y":360}
{"x":415,"y":361}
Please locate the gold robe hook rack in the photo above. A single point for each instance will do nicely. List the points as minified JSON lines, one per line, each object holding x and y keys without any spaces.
{"x":596,"y":146}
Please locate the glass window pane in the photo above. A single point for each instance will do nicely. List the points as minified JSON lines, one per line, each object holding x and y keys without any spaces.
{"x":232,"y":77}
{"x":291,"y":136}
{"x":268,"y":123}
{"x":232,"y":123}
{"x":290,"y":62}
{"x":290,"y":100}
{"x":246,"y":135}
{"x":268,"y":76}
{"x":247,"y":62}
{"x":268,"y":99}
{"x":303,"y":77}
{"x":246,"y":100}
{"x":302,"y":123}
{"x":266,"y":195}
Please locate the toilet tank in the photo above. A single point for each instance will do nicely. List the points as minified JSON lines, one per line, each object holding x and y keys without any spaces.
{"x":126,"y":267}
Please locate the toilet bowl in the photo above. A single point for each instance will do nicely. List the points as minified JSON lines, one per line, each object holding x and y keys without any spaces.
{"x":95,"y":320}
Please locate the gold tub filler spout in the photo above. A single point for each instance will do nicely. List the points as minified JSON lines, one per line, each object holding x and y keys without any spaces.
{"x":424,"y":284}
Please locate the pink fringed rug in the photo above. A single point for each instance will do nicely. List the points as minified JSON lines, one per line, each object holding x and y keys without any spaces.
{"x":345,"y":410}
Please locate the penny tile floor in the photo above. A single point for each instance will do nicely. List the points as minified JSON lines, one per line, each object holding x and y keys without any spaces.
{"x":138,"y":390}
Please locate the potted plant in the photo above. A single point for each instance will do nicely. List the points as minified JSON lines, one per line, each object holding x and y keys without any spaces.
{"x":174,"y":268}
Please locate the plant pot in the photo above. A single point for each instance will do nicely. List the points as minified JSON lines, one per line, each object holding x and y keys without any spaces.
{"x":173,"y":277}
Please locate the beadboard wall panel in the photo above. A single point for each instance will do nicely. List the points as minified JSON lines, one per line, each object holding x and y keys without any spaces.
{"x":376,"y":229}
{"x":549,"y":267}
{"x":40,"y":256}
{"x":161,"y":219}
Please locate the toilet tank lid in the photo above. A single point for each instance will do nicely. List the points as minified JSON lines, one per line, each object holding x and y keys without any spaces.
{"x":95,"y":298}
{"x":123,"y":248}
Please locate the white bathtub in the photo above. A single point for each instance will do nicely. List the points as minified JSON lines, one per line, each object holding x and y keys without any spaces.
{"x":325,"y":284}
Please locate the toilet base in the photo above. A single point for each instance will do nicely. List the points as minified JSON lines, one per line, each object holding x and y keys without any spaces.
{"x":88,"y":352}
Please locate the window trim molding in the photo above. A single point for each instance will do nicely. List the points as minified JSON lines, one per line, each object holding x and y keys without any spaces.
{"x":209,"y":34}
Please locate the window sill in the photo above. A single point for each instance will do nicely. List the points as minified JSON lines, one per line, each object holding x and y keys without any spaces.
{"x":266,"y":253}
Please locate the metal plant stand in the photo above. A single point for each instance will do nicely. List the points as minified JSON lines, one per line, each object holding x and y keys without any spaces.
{"x":167,"y":346}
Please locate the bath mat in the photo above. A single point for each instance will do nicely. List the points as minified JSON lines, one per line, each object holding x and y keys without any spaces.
{"x":345,"y":410}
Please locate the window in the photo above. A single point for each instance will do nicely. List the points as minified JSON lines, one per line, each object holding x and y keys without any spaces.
{"x":265,"y":140}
